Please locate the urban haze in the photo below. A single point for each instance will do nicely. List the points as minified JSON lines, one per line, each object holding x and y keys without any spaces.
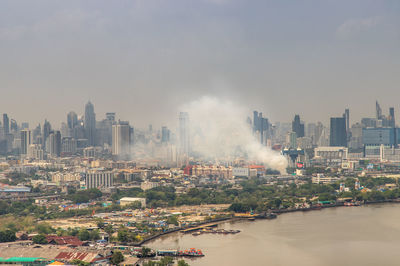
{"x":208,"y":132}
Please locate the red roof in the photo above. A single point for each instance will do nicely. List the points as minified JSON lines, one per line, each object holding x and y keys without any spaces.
{"x":83,"y":256}
{"x":64,"y":240}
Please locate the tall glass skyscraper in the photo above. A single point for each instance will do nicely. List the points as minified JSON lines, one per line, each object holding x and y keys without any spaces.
{"x":90,"y":124}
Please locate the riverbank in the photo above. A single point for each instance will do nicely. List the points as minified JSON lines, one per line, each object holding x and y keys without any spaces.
{"x":365,"y":235}
{"x":276,"y":211}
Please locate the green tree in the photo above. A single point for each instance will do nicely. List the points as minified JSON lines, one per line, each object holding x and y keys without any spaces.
{"x":182,"y":263}
{"x":100,"y":223}
{"x":146,"y":251}
{"x":7,"y":236}
{"x":173,"y":220}
{"x":44,"y":228}
{"x":39,"y":239}
{"x":165,"y":261}
{"x":84,"y":234}
{"x":79,"y":262}
{"x":109,"y":230}
{"x":117,"y":258}
{"x":94,"y":235}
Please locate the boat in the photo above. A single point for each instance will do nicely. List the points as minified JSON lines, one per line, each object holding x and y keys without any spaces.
{"x":193,"y":253}
{"x":196,"y":233}
{"x":251,"y":219}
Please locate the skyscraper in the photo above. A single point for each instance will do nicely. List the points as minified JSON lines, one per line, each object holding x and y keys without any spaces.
{"x":72,"y":120}
{"x":347,"y":116}
{"x":378,"y":110}
{"x":46,"y":132}
{"x":165,"y":135}
{"x":90,"y":124}
{"x":298,"y":127}
{"x":392,"y":121}
{"x":121,"y":139}
{"x":26,"y":140}
{"x":338,"y":136}
{"x":184,"y":134}
{"x":260,"y":126}
{"x":53,"y":145}
{"x":6,"y":124}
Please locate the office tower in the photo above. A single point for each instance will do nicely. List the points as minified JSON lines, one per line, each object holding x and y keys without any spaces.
{"x":378,"y":136}
{"x":68,"y":146}
{"x":298,"y":127}
{"x":184,"y":134}
{"x":378,"y":110}
{"x":104,"y":130}
{"x":347,"y":117}
{"x":46,"y":131}
{"x":53,"y":145}
{"x":165,"y":135}
{"x":90,"y":124}
{"x":356,"y":132}
{"x":338,"y":136}
{"x":37,"y":135}
{"x":260,"y":126}
{"x":291,"y":140}
{"x":13,"y":126}
{"x":26,"y":140}
{"x":6,"y":124}
{"x":99,"y":179}
{"x":72,"y":120}
{"x":368,"y":122}
{"x":121,"y":139}
{"x":392,"y":121}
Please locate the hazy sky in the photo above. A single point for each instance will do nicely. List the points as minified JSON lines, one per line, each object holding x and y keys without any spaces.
{"x":144,"y":59}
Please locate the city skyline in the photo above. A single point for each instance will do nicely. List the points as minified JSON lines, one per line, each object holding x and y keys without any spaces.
{"x":132,"y":58}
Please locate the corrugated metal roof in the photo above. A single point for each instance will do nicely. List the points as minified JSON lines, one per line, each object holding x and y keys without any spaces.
{"x":83,"y":256}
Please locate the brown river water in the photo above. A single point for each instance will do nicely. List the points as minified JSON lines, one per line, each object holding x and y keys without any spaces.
{"x":365,"y":235}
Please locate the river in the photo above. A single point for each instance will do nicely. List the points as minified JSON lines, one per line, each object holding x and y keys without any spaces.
{"x":365,"y":235}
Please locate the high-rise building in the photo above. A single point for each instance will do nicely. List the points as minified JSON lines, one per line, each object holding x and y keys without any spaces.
{"x":298,"y":127}
{"x":338,"y":136}
{"x":53,"y":145}
{"x":68,"y":146}
{"x":165,"y":135}
{"x":6,"y":124}
{"x":46,"y":131}
{"x":392,"y":121}
{"x":347,"y":117}
{"x":184,"y":134}
{"x":13,"y":126}
{"x":90,"y":124}
{"x":260,"y":127}
{"x":26,"y":140}
{"x":104,"y":130}
{"x":378,"y":111}
{"x":72,"y":120}
{"x":99,"y":179}
{"x":121,"y":139}
{"x":378,"y":136}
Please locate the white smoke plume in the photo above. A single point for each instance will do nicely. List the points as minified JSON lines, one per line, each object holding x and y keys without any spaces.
{"x":220,"y":131}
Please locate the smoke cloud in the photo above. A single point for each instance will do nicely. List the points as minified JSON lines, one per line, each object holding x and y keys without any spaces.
{"x":220,"y":132}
